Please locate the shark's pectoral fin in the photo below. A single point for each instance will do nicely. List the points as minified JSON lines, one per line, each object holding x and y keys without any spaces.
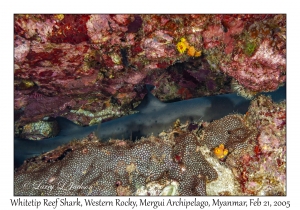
{"x":150,"y":103}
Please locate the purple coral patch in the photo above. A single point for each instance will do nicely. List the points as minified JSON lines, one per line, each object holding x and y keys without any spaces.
{"x":211,"y":85}
{"x":200,"y":75}
{"x":135,"y":25}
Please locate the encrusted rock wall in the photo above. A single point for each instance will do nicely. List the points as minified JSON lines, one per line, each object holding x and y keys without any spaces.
{"x":79,"y":65}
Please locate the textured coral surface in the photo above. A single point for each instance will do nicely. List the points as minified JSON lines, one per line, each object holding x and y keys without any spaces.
{"x":80,"y":65}
{"x":180,"y":161}
{"x":229,"y":131}
{"x":260,"y":167}
{"x":89,"y":68}
{"x":105,"y":169}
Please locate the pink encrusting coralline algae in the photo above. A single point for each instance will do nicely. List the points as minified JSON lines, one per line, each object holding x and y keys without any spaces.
{"x":98,"y":58}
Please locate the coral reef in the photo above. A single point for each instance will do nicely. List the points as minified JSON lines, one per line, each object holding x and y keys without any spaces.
{"x":183,"y":45}
{"x":264,"y":71}
{"x":230,"y":131}
{"x":163,"y":188}
{"x":261,"y":167}
{"x":40,"y":130}
{"x":265,"y":171}
{"x":181,"y":161}
{"x":259,"y":160}
{"x":226,"y":184}
{"x":103,"y":169}
{"x":220,"y":151}
{"x":99,"y":61}
{"x":92,"y":68}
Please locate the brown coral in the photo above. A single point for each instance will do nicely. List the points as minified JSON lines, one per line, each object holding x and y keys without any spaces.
{"x":108,"y":169}
{"x":230,"y":131}
{"x":257,"y":146}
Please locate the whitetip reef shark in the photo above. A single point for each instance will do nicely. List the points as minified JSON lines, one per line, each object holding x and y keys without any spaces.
{"x":153,"y":117}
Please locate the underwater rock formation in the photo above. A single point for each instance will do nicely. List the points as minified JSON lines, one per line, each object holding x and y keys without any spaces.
{"x":260,"y":167}
{"x":181,"y":161}
{"x":40,"y":130}
{"x":93,"y":168}
{"x":263,"y":71}
{"x":99,"y":61}
{"x":263,"y":171}
{"x":89,"y":68}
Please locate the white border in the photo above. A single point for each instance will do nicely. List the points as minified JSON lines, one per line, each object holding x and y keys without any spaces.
{"x":151,"y":6}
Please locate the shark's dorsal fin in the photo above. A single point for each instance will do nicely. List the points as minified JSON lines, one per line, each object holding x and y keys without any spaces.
{"x":150,"y":102}
{"x":66,"y":126}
